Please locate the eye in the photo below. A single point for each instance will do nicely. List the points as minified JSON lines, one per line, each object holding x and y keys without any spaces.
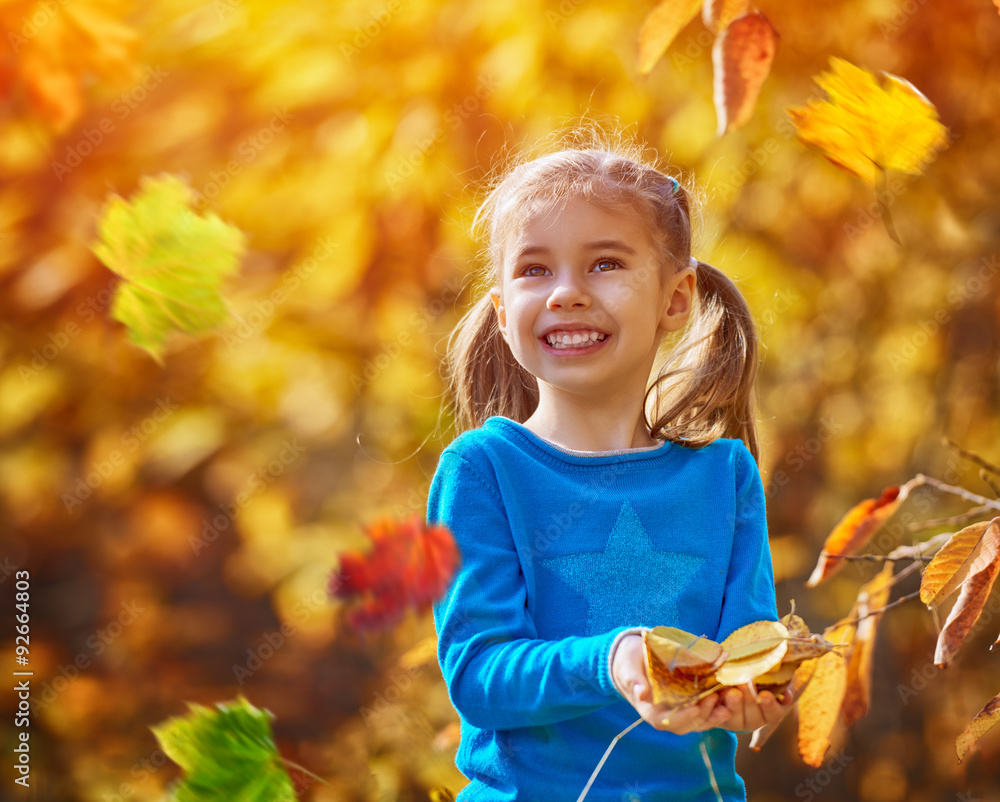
{"x":607,"y":265}
{"x":533,"y":270}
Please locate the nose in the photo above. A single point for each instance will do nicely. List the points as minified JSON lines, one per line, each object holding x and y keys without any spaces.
{"x":568,"y":293}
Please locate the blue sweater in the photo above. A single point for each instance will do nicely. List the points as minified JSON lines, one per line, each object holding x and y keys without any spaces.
{"x":561,"y":552}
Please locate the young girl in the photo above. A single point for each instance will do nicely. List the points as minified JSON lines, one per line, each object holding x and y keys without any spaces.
{"x":589,"y":502}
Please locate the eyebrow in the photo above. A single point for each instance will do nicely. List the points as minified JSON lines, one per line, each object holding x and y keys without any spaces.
{"x":601,"y":244}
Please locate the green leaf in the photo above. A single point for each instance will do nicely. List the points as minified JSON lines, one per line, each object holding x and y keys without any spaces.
{"x":173,"y":262}
{"x":227,"y":753}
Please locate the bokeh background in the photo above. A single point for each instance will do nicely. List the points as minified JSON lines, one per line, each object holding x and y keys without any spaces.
{"x":356,"y":134}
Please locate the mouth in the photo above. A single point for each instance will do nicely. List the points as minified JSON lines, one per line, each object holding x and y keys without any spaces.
{"x":574,"y":342}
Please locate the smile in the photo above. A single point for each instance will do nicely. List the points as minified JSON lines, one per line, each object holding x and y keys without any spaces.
{"x":576,"y":341}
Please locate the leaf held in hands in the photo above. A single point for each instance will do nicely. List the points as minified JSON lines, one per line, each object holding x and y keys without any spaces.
{"x":753,"y":650}
{"x":800,"y":680}
{"x":854,"y":530}
{"x":660,"y":28}
{"x":173,"y":263}
{"x":819,"y":704}
{"x":681,"y":651}
{"x":717,"y":14}
{"x":741,"y":59}
{"x":872,"y":597}
{"x":866,"y":128}
{"x":973,"y":597}
{"x":984,"y":721}
{"x":410,"y":564}
{"x":944,"y":574}
{"x":226,"y":753}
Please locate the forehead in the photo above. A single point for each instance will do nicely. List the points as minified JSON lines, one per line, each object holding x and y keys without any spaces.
{"x":574,"y":220}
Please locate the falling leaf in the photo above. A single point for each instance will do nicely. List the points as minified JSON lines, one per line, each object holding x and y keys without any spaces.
{"x":173,"y":263}
{"x":866,"y":128}
{"x":410,"y":564}
{"x":975,"y":592}
{"x":226,"y":753}
{"x":717,"y":14}
{"x":854,"y":531}
{"x":984,"y":721}
{"x":661,"y":27}
{"x":944,"y":574}
{"x":819,"y":704}
{"x":741,"y":58}
{"x":872,"y":597}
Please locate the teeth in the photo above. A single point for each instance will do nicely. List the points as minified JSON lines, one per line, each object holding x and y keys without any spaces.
{"x":568,"y":340}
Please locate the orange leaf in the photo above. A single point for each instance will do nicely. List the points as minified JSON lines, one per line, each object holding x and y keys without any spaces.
{"x":872,"y":597}
{"x":949,"y":567}
{"x":717,"y":14}
{"x":741,"y":59}
{"x":660,"y":28}
{"x":410,"y":565}
{"x":978,"y":727}
{"x":975,"y":592}
{"x":819,"y":704}
{"x":854,"y":531}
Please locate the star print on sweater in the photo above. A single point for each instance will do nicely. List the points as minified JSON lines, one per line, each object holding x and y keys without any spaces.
{"x":641,"y":579}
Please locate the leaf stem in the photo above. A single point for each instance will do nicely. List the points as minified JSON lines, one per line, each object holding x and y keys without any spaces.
{"x":969,"y":455}
{"x":604,"y":757}
{"x":304,"y":770}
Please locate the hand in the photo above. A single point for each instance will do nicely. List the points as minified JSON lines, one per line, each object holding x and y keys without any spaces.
{"x":746,"y":714}
{"x":628,"y":671}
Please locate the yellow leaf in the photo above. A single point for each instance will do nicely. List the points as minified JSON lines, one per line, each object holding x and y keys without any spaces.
{"x":873,"y":596}
{"x":741,"y":60}
{"x":866,"y":128}
{"x":945,"y":572}
{"x":661,"y":27}
{"x":819,"y":704}
{"x":753,"y":650}
{"x":984,"y":721}
{"x":681,"y":651}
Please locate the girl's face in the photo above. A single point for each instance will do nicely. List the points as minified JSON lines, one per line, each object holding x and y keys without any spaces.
{"x":584,"y":300}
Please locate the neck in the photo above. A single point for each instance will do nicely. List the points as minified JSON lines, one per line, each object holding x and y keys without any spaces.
{"x":582,"y":424}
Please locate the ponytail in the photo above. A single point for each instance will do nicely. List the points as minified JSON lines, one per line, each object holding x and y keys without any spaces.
{"x":483,"y":377}
{"x":705,"y":389}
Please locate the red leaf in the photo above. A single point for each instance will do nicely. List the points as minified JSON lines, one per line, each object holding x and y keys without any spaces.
{"x":741,"y":58}
{"x":854,"y":531}
{"x":410,"y":564}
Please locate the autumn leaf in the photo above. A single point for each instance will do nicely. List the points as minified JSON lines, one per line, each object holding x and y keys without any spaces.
{"x":681,"y":651}
{"x":717,"y":14}
{"x":975,"y":592}
{"x":800,"y":680}
{"x":173,"y":263}
{"x":226,"y":753}
{"x":410,"y":564}
{"x":753,"y":650}
{"x":660,"y":28}
{"x":872,"y":598}
{"x":866,"y":128}
{"x":984,"y":721}
{"x":819,"y":704}
{"x":741,"y":58}
{"x":944,"y":574}
{"x":854,"y":530}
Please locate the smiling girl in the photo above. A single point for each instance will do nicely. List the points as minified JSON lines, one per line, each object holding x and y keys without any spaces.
{"x":600,"y":484}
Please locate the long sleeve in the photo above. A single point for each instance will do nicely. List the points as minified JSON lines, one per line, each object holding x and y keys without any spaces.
{"x":749,"y":594}
{"x":499,"y":674}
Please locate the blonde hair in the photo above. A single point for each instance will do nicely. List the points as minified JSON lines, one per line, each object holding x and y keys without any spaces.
{"x":704,"y":385}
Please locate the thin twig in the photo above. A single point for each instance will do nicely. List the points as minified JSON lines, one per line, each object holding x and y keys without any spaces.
{"x":882,"y":609}
{"x":993,"y":486}
{"x":708,"y":765}
{"x":975,"y":512}
{"x":921,"y":479}
{"x":607,"y":752}
{"x":877,"y":558}
{"x":970,"y":455}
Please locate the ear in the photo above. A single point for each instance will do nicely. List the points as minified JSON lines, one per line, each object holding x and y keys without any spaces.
{"x":501,"y":311}
{"x":678,"y":299}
